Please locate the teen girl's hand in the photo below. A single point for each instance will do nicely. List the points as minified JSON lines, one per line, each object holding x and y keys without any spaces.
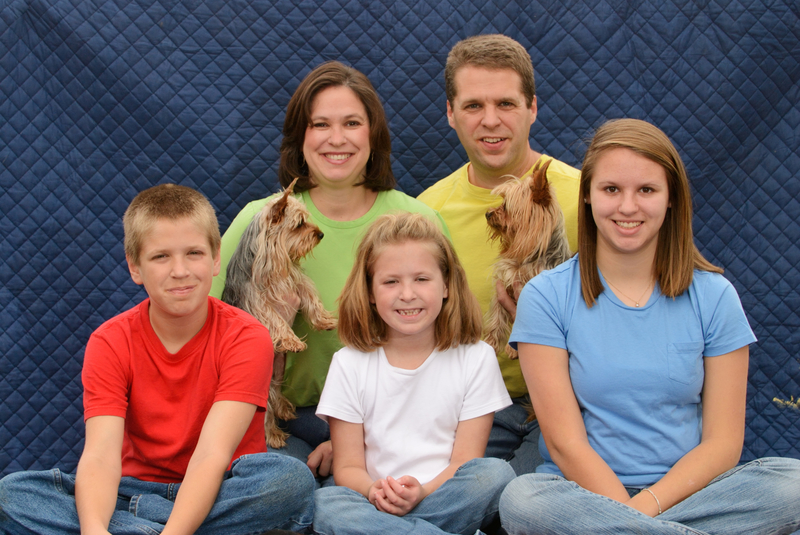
{"x":400,"y":495}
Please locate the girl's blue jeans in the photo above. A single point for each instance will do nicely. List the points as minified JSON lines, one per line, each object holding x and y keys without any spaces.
{"x":463,"y":504}
{"x":759,"y":497}
{"x":262,"y":491}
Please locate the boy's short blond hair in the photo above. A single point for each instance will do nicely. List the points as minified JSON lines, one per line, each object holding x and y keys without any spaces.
{"x":170,"y":202}
{"x":494,"y":52}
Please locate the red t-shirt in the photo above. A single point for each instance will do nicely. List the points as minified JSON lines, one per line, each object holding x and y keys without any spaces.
{"x":169,"y":395}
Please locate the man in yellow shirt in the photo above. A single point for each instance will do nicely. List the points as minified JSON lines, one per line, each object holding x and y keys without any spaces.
{"x":491,"y":104}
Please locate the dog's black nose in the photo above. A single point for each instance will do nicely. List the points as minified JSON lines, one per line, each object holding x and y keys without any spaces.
{"x":320,"y":235}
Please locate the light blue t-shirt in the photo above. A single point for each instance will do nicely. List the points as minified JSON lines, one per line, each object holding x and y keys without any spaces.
{"x":637,"y":373}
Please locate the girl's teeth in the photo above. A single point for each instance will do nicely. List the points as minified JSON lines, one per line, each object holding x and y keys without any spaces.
{"x":626,"y":224}
{"x":409,"y":312}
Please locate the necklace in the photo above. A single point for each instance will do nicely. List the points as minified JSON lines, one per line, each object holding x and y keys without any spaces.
{"x":635,"y":301}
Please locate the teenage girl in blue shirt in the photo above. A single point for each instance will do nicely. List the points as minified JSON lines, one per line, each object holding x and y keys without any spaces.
{"x":635,"y":353}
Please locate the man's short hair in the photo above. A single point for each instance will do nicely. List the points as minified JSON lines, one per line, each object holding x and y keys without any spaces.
{"x":493,"y":51}
{"x":170,"y":202}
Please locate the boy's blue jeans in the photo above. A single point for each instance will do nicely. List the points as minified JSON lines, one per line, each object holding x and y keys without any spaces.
{"x":262,"y":491}
{"x":759,"y":497}
{"x":463,"y":504}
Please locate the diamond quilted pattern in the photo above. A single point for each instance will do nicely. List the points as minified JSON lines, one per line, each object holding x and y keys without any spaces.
{"x":100,"y":99}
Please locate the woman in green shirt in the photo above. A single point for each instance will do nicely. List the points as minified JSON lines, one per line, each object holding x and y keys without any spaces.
{"x":336,"y":140}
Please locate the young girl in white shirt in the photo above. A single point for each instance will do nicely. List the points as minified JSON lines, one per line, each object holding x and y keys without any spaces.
{"x":410,"y":400}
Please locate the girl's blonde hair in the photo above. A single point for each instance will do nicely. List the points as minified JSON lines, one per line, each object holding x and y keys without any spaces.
{"x":676,"y":255}
{"x":360,"y":325}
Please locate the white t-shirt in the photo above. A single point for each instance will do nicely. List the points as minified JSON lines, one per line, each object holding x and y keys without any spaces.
{"x":410,"y":416}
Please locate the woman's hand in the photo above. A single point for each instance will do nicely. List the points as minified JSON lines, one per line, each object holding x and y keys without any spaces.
{"x":320,"y":461}
{"x":291,"y":304}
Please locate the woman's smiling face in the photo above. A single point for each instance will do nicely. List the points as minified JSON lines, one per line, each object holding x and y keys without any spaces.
{"x":336,"y":145}
{"x":629,"y":198}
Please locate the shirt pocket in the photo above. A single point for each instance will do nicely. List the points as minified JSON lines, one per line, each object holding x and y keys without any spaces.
{"x":685,"y":362}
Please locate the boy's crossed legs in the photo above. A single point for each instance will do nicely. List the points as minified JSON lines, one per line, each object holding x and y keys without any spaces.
{"x":262,"y":491}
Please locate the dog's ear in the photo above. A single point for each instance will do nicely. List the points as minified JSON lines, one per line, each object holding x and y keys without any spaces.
{"x":540,"y":189}
{"x":279,"y":208}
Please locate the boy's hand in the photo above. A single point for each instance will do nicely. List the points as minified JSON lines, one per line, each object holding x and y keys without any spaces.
{"x":320,"y":461}
{"x":400,"y":495}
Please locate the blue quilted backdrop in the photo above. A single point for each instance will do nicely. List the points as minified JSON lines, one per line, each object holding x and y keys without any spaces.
{"x":101,"y":99}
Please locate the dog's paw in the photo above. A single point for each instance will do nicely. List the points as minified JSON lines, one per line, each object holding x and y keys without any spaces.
{"x":326,"y":324}
{"x":512,"y":353}
{"x":294,"y":345}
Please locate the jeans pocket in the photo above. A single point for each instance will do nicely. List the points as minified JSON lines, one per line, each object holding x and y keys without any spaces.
{"x":685,"y":361}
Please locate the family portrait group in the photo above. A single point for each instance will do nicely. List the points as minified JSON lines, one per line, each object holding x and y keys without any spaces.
{"x":527,"y":344}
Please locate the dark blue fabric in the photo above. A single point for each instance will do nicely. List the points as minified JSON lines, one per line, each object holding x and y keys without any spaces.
{"x":101,"y":99}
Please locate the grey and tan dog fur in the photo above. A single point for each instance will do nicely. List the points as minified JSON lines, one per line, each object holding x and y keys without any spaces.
{"x":530,"y":227}
{"x":262,"y":272}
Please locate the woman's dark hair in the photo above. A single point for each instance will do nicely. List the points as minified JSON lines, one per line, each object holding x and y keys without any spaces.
{"x":378,"y":175}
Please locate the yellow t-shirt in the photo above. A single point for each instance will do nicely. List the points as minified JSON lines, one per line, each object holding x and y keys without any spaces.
{"x":463,"y":207}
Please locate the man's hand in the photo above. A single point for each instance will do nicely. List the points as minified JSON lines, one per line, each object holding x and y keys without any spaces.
{"x":320,"y":461}
{"x":505,"y":300}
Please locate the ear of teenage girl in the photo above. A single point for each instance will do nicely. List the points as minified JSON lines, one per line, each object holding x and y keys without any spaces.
{"x":635,"y":354}
{"x":410,"y":400}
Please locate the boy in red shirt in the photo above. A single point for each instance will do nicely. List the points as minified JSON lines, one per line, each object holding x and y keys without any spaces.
{"x":174,"y":396}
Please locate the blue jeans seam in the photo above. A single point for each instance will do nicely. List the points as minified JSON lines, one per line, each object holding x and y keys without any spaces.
{"x":133,"y":504}
{"x":58,"y":481}
{"x":172,"y":491}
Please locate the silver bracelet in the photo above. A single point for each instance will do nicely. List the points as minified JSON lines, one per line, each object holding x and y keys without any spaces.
{"x":658,"y":503}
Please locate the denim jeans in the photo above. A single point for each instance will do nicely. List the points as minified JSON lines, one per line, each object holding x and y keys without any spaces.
{"x":463,"y":504}
{"x":514,"y":440}
{"x":306,"y":432}
{"x":759,"y":497}
{"x":261,"y":491}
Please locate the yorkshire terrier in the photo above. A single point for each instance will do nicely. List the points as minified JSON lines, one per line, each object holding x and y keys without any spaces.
{"x":262,"y":272}
{"x":530,"y":227}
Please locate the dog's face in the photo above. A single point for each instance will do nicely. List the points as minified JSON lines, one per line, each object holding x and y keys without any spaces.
{"x":526,"y":218}
{"x":286,"y":224}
